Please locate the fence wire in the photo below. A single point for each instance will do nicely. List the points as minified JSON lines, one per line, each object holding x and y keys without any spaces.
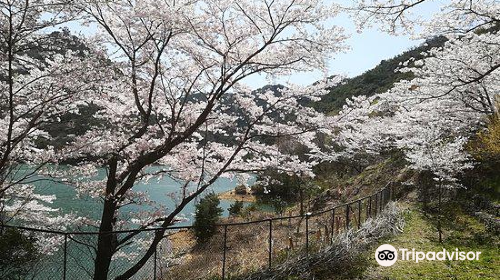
{"x":236,"y":248}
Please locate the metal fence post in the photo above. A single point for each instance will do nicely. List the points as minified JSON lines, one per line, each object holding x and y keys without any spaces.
{"x":370,"y":206}
{"x":65,"y":261}
{"x":307,"y":232}
{"x":366,"y":210}
{"x":359,"y":214}
{"x":381,"y":203}
{"x":384,"y":197}
{"x":347,"y":216}
{"x":224,"y":254}
{"x":270,"y":242}
{"x":333,"y":223}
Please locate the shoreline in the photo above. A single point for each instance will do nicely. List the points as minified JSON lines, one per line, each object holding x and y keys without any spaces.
{"x":232,"y":196}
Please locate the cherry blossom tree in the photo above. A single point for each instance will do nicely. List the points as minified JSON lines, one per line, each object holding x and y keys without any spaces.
{"x":453,"y":90}
{"x":174,"y":99}
{"x":35,"y":90}
{"x":431,"y":117}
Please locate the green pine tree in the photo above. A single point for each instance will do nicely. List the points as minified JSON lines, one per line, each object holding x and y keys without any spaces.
{"x":206,"y":216}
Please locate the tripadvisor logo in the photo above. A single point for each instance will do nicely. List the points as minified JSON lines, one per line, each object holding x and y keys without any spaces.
{"x":387,"y":255}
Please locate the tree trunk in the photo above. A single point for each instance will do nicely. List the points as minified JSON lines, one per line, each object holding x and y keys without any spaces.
{"x":106,"y":243}
{"x":301,"y":199}
{"x":149,"y":253}
{"x":159,"y":235}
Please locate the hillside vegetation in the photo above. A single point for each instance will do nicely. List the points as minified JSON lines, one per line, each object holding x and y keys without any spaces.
{"x":461,"y":231}
{"x":467,"y":217}
{"x":376,"y":80}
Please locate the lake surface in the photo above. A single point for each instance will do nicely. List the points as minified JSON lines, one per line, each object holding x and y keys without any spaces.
{"x":159,"y":191}
{"x":80,"y":258}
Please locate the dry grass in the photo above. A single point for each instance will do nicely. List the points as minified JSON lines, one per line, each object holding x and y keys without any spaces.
{"x":248,"y":245}
{"x":343,"y":258}
{"x":233,"y":196}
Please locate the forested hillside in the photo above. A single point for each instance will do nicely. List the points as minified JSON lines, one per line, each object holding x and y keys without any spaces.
{"x":376,"y":80}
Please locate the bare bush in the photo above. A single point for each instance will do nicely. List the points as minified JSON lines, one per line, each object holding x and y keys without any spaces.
{"x":343,"y":257}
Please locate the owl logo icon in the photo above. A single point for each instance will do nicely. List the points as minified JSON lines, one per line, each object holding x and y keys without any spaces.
{"x":386,"y":255}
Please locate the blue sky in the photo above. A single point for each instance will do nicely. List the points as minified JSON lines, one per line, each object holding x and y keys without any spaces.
{"x":367,"y":49}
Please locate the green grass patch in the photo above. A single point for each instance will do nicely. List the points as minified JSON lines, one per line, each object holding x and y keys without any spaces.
{"x":459,"y":231}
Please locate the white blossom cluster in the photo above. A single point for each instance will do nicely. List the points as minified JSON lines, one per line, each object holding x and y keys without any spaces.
{"x":166,"y":81}
{"x":431,"y":117}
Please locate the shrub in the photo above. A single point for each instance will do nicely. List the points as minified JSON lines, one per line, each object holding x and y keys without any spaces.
{"x":235,"y":208}
{"x":279,"y":205}
{"x":343,"y":258}
{"x":17,"y":254}
{"x":487,"y":145}
{"x":241,"y":189}
{"x":206,"y":216}
{"x":248,"y":211}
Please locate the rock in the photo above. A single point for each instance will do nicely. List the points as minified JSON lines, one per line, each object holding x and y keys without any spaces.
{"x":241,"y":190}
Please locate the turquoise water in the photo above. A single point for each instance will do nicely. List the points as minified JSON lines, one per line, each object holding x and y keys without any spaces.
{"x":160,"y":191}
{"x":80,"y":256}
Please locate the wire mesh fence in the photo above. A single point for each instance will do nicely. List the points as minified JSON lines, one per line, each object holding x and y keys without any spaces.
{"x":236,"y":248}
